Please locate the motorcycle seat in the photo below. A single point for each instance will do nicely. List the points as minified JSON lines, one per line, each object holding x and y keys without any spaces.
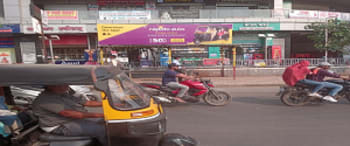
{"x":302,"y":85}
{"x":166,"y":89}
{"x":52,"y":138}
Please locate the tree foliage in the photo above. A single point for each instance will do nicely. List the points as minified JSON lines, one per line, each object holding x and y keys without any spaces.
{"x":338,"y":35}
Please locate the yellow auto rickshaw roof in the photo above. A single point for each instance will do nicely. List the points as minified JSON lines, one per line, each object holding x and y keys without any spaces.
{"x":50,"y":74}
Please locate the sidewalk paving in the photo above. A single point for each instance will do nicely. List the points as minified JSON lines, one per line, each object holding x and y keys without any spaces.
{"x":228,"y":81}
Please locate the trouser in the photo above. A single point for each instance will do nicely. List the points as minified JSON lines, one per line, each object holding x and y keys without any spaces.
{"x":335,"y":88}
{"x":84,"y":127}
{"x":176,"y":85}
{"x":319,"y":85}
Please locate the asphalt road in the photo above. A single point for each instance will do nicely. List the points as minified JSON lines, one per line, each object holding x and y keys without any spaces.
{"x":256,"y":117}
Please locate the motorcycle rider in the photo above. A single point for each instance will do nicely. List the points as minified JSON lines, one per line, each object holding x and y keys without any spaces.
{"x":169,"y":80}
{"x":322,"y":71}
{"x":297,"y":73}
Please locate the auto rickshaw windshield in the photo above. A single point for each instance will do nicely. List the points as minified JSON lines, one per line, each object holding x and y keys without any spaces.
{"x":127,"y":95}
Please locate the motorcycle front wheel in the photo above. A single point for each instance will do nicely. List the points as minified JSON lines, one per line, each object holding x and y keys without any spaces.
{"x":294,"y":98}
{"x":217,"y":98}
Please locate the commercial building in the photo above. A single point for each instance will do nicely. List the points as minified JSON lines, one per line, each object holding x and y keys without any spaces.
{"x":275,"y":26}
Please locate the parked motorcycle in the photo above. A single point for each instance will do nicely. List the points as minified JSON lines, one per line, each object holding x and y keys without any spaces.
{"x":202,"y":89}
{"x":298,"y":94}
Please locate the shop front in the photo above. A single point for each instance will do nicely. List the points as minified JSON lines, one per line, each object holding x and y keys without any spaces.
{"x":70,"y":44}
{"x":156,"y":44}
{"x":259,"y":41}
{"x":7,"y":44}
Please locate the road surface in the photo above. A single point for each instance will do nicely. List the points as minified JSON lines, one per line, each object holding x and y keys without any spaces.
{"x":256,"y":117}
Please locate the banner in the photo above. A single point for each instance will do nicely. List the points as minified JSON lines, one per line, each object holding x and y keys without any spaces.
{"x":304,"y":14}
{"x":61,"y":15}
{"x":329,"y":15}
{"x":9,"y":28}
{"x":124,"y":15}
{"x":164,"y":34}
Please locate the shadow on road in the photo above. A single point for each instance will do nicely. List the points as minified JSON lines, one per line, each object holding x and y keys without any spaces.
{"x":258,"y":100}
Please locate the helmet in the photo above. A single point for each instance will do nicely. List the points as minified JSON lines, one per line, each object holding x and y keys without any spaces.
{"x":325,"y":64}
{"x":172,"y":65}
{"x":175,"y":139}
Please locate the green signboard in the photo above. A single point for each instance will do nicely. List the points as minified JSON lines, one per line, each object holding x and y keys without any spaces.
{"x":214,"y":52}
{"x":256,"y":26}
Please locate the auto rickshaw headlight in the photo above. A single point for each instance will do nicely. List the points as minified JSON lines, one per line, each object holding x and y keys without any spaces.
{"x":142,"y":114}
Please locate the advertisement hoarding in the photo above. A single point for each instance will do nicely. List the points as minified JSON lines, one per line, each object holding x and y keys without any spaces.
{"x":164,"y":34}
{"x":124,"y":15}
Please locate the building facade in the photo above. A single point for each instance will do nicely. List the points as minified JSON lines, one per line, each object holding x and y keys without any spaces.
{"x":260,"y":28}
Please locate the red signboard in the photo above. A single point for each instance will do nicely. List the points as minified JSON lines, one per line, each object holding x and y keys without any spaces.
{"x":70,"y":40}
{"x":276,"y":53}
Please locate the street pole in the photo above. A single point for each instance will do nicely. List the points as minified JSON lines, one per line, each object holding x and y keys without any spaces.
{"x":222,"y":62}
{"x":326,"y":43}
{"x":51,"y":52}
{"x":234,"y":62}
{"x":43,"y":49}
{"x":266,"y":50}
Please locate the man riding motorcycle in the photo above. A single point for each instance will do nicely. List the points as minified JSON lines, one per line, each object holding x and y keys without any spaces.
{"x":319,"y":73}
{"x":169,"y":80}
{"x":298,"y":73}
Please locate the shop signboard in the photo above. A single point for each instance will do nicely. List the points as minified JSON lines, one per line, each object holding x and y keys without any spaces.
{"x":61,"y":15}
{"x":125,"y":15}
{"x":164,"y":34}
{"x":180,"y":1}
{"x":256,"y":26}
{"x":329,"y":15}
{"x":28,"y":29}
{"x":214,"y":52}
{"x":9,"y":28}
{"x":304,"y":14}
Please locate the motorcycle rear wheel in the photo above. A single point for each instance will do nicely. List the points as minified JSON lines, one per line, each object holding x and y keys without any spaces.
{"x":217,"y":98}
{"x":294,"y":99}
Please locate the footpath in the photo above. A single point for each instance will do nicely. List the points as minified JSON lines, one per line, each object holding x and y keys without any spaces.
{"x":229,"y":82}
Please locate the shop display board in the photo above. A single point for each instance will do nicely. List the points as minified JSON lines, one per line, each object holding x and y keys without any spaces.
{"x":7,"y":56}
{"x":164,"y":34}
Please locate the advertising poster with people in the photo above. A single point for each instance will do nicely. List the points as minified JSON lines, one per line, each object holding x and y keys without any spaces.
{"x":5,"y":57}
{"x":164,"y":34}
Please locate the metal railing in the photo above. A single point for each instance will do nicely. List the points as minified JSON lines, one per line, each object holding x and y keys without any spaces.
{"x":287,"y":62}
{"x":241,"y":63}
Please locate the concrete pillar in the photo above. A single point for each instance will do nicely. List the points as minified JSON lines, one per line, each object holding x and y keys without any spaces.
{"x":278,"y":9}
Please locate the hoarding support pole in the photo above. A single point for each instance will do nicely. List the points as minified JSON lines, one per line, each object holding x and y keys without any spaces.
{"x":222,"y":62}
{"x":169,"y":56}
{"x":234,"y":62}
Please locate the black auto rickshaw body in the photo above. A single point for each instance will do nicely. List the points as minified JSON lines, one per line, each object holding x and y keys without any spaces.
{"x":131,"y":116}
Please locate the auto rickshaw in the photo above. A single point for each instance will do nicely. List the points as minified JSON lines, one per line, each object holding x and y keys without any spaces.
{"x":131,"y":117}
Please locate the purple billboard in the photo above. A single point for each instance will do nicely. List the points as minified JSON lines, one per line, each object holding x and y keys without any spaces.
{"x":164,"y":34}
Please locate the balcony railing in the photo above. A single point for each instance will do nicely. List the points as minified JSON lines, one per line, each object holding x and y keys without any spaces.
{"x":85,"y":16}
